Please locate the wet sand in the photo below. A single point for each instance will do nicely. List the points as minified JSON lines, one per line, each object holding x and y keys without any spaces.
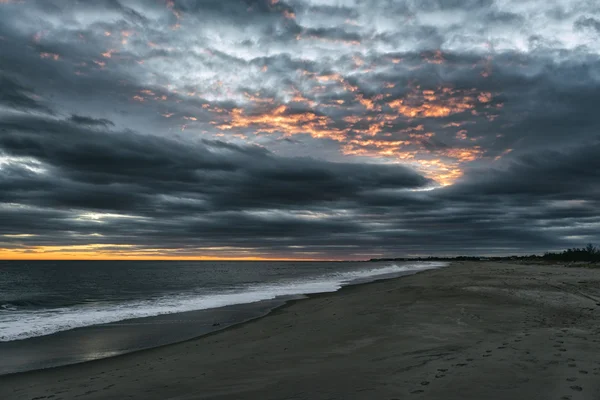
{"x":469,"y":331}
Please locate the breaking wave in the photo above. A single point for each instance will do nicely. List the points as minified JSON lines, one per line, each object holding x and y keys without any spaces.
{"x":17,"y":324}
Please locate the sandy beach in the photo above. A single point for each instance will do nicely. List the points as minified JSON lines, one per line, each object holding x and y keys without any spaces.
{"x":468,"y":331}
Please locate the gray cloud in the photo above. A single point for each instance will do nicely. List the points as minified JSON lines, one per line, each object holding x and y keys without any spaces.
{"x":18,"y":97}
{"x":588,"y":23}
{"x":260,"y":125}
{"x":83,"y":120}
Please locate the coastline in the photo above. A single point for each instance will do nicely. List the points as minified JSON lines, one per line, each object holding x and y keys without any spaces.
{"x":113,"y":339}
{"x":385,"y":338}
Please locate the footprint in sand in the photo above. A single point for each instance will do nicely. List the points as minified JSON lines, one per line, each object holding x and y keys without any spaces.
{"x":577,"y":388}
{"x":583,"y":372}
{"x":417,"y":391}
{"x":571,"y":379}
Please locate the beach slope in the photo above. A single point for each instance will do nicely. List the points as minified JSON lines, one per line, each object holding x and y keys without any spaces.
{"x":470,"y":331}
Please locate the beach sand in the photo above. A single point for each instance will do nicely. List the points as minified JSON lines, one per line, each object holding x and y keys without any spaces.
{"x":470,"y":331}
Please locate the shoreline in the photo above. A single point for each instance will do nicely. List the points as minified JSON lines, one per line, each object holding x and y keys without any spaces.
{"x":202,"y":323}
{"x":395,"y":331}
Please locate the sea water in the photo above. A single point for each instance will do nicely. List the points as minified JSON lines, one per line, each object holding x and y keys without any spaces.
{"x":41,"y":298}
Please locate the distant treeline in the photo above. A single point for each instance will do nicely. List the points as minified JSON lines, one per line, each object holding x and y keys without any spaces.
{"x":589,"y":253}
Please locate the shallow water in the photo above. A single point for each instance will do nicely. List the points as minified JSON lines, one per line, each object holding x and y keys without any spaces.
{"x":56,"y":313}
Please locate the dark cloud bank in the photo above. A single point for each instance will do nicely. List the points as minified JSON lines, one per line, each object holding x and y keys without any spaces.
{"x":105,"y":138}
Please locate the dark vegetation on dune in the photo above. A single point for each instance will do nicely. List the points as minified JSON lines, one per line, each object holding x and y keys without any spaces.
{"x":587,"y":254}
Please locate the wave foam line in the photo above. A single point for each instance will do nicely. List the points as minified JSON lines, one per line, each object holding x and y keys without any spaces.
{"x":25,"y":325}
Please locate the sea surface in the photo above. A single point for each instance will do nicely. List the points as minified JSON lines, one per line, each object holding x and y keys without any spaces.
{"x":61,"y":312}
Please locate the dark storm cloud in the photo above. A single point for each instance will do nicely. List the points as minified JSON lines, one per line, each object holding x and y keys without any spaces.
{"x":212,"y":184}
{"x":177,"y":193}
{"x":261,"y":125}
{"x":568,"y":173}
{"x":18,"y":97}
{"x":83,"y":120}
{"x":333,"y":34}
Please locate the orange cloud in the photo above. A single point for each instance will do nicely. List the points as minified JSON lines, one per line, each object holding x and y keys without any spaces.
{"x":329,"y":78}
{"x":442,"y":165}
{"x":257,"y":99}
{"x":367,"y":103}
{"x":53,"y":56}
{"x":462,"y":134}
{"x":280,"y":120}
{"x":463,"y":155}
{"x":358,"y":62}
{"x":485,"y":97}
{"x":125,"y":34}
{"x":505,"y":152}
{"x":363,"y":135}
{"x":440,"y":103}
{"x":298,"y":97}
{"x":442,"y":171}
{"x":108,"y":53}
{"x":38,"y":36}
{"x":436,"y":58}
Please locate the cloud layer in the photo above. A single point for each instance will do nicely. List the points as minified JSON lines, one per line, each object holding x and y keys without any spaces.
{"x":298,"y":128}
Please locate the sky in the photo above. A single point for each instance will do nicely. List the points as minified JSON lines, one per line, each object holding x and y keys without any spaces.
{"x":298,"y":129}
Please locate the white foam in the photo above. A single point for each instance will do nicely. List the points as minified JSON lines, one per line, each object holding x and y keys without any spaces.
{"x":27,"y":324}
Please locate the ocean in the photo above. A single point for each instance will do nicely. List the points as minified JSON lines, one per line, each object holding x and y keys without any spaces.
{"x":50,"y":311}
